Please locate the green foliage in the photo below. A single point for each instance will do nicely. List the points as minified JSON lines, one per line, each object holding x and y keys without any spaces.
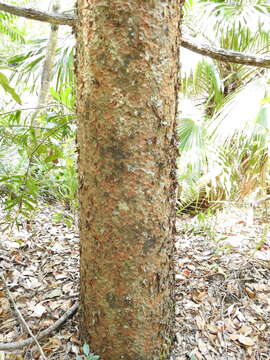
{"x":87,"y":354}
{"x":37,"y":146}
{"x":4,"y":82}
{"x":41,"y":160}
{"x":224,"y":126}
{"x":9,"y":29}
{"x":28,"y":63}
{"x":224,"y":130}
{"x":204,"y":223}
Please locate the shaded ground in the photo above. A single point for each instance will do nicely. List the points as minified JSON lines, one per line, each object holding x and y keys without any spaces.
{"x":40,"y":263}
{"x":222,"y":286}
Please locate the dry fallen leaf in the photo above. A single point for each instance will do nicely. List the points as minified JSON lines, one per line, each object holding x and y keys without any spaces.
{"x":240,"y":315}
{"x":186,"y":272}
{"x":202,"y":346}
{"x":54,"y":293}
{"x":200,"y":322}
{"x":251,"y":293}
{"x":212,"y":328}
{"x":263,"y":255}
{"x":245,"y":340}
{"x":233,"y":336}
{"x":245,"y":330}
{"x":8,"y":356}
{"x":52,"y":344}
{"x":4,"y":307}
{"x":38,"y":310}
{"x":198,"y":295}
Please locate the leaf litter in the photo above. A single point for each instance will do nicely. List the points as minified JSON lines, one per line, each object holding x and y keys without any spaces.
{"x":40,"y":263}
{"x":222,"y":287}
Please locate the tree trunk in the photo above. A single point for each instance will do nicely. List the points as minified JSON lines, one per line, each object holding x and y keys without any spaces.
{"x":47,"y":70}
{"x":49,"y":60}
{"x":127,"y":89}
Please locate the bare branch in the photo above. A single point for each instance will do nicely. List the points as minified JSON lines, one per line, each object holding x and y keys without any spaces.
{"x":22,"y":320}
{"x":203,"y":49}
{"x":236,"y":57}
{"x":53,"y":18}
{"x":43,"y":333}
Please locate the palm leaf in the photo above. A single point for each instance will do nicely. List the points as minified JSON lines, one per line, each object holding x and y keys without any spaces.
{"x":8,"y":28}
{"x":4,"y":82}
{"x":29,"y":64}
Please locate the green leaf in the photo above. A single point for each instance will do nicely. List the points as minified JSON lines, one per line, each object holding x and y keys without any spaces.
{"x":265,"y":100}
{"x":5,"y":85}
{"x":28,"y":204}
{"x":86,"y":349}
{"x":55,"y":94}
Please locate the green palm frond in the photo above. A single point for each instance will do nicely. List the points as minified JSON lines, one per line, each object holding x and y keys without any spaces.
{"x":242,"y":113}
{"x":202,"y":80}
{"x":29,"y":64}
{"x":4,"y":83}
{"x":236,"y":115}
{"x":229,"y":24}
{"x":9,"y":28}
{"x":64,"y":62}
{"x":192,"y":139}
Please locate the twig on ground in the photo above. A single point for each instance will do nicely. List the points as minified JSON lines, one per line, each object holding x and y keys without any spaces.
{"x":21,"y":318}
{"x":42,"y":334}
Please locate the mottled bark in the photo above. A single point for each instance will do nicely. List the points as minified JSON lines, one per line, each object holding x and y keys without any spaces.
{"x":127,"y":88}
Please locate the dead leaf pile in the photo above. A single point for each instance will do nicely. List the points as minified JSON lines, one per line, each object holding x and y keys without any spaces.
{"x":223,"y":298}
{"x":40,"y":263}
{"x":222,"y":290}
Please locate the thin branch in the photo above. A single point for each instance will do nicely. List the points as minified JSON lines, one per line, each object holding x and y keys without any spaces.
{"x":53,"y":18}
{"x":203,"y":49}
{"x":30,"y":127}
{"x":42,"y":334}
{"x":32,"y":108}
{"x":220,"y":54}
{"x":21,"y":318}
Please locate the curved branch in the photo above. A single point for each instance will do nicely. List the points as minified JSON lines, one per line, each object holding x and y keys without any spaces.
{"x":203,"y":49}
{"x":20,"y":344}
{"x":216,"y":53}
{"x":21,"y":318}
{"x":53,"y":18}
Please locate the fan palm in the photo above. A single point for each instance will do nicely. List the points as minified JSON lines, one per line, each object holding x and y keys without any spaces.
{"x":235,"y":115}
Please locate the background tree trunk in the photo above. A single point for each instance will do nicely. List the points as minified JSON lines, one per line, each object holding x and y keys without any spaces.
{"x":127,"y":89}
{"x":49,"y":60}
{"x":47,"y":69}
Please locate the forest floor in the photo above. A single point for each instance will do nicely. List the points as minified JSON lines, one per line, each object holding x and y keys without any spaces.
{"x":222,"y":287}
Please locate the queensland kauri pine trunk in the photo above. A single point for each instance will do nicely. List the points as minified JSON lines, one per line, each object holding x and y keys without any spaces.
{"x":127,"y":87}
